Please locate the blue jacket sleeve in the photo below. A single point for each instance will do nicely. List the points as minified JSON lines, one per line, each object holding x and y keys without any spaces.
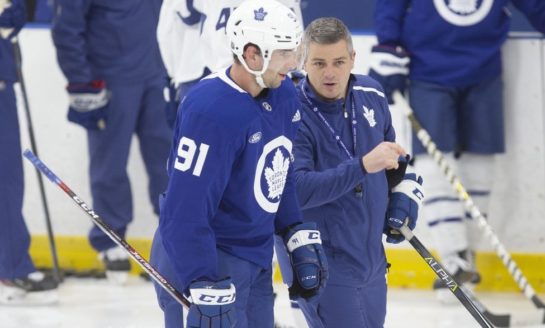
{"x":534,"y":11}
{"x":315,"y":187}
{"x":69,"y":36}
{"x":199,"y":167}
{"x":389,"y":15}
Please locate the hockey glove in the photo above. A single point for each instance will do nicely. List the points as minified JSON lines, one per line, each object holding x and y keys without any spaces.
{"x":88,"y":104}
{"x":171,"y":101}
{"x":12,"y":18}
{"x":308,"y":261}
{"x":395,"y":176}
{"x":212,"y":304}
{"x":390,"y":67}
{"x":405,"y":200}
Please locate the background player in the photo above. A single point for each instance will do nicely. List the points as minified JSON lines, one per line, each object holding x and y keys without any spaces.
{"x":455,"y":90}
{"x":109,"y":54}
{"x":20,"y":282}
{"x":193,"y":42}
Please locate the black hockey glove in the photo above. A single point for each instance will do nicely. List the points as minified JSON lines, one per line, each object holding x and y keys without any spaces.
{"x":395,"y":176}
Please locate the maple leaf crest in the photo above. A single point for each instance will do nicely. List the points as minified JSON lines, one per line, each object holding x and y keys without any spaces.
{"x":276,"y":176}
{"x":369,"y":114}
{"x":259,"y":15}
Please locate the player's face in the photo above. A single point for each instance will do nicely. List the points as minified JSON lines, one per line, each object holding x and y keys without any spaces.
{"x":328,"y":68}
{"x":282,"y":61}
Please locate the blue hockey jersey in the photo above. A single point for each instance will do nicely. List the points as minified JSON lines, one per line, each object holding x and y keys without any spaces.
{"x":452,"y":42}
{"x":230,"y":184}
{"x":106,"y":39}
{"x":351,"y":222}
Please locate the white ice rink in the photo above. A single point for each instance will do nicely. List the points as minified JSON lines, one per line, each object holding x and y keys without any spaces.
{"x":94,"y":303}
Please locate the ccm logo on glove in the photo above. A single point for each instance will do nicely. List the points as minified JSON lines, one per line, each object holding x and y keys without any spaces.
{"x":303,"y":237}
{"x":205,"y":297}
{"x":210,"y":293}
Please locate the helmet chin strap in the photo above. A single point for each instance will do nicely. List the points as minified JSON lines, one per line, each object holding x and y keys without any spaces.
{"x":259,"y":80}
{"x":258,"y":74}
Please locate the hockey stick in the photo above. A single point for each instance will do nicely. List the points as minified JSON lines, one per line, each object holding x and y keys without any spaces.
{"x":448,"y":280}
{"x":154,"y":274}
{"x":50,"y":235}
{"x":470,"y":206}
{"x":506,"y":320}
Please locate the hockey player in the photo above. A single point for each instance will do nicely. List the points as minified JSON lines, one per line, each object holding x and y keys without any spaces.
{"x":109,"y":54}
{"x":231,"y":187}
{"x":193,"y":41}
{"x":179,"y":37}
{"x":346,"y":163}
{"x":450,"y":51}
{"x":19,"y":280}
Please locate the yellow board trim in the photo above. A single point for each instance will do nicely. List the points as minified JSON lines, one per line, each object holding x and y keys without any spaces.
{"x":408,"y":269}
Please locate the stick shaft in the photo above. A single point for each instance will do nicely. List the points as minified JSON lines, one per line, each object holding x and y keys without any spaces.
{"x":33,"y":146}
{"x":107,"y":230}
{"x":447,"y":279}
{"x":470,"y":206}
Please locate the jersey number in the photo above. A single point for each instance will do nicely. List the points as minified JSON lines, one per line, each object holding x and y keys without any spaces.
{"x":224,"y":17}
{"x":186,"y":152}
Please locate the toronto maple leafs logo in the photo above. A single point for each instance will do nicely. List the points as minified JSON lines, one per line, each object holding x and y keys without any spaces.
{"x":276,"y":176}
{"x":463,"y":12}
{"x":271,"y":173}
{"x":369,"y":115}
{"x":259,"y":15}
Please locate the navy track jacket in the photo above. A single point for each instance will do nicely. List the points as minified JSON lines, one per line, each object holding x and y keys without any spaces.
{"x":351,"y":223}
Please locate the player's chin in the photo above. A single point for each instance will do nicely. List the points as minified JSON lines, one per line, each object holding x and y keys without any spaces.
{"x":275,"y":83}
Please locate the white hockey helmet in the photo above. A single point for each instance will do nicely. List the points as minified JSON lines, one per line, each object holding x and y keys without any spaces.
{"x":267,"y":24}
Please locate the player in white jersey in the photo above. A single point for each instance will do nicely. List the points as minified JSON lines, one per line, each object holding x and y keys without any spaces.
{"x":214,"y":40}
{"x":178,"y":35}
{"x":193,"y":42}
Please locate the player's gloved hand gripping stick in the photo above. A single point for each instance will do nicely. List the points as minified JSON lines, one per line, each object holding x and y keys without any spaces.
{"x":212,"y":304}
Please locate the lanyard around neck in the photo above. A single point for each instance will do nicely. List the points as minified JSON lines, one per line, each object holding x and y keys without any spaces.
{"x":330,"y":127}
